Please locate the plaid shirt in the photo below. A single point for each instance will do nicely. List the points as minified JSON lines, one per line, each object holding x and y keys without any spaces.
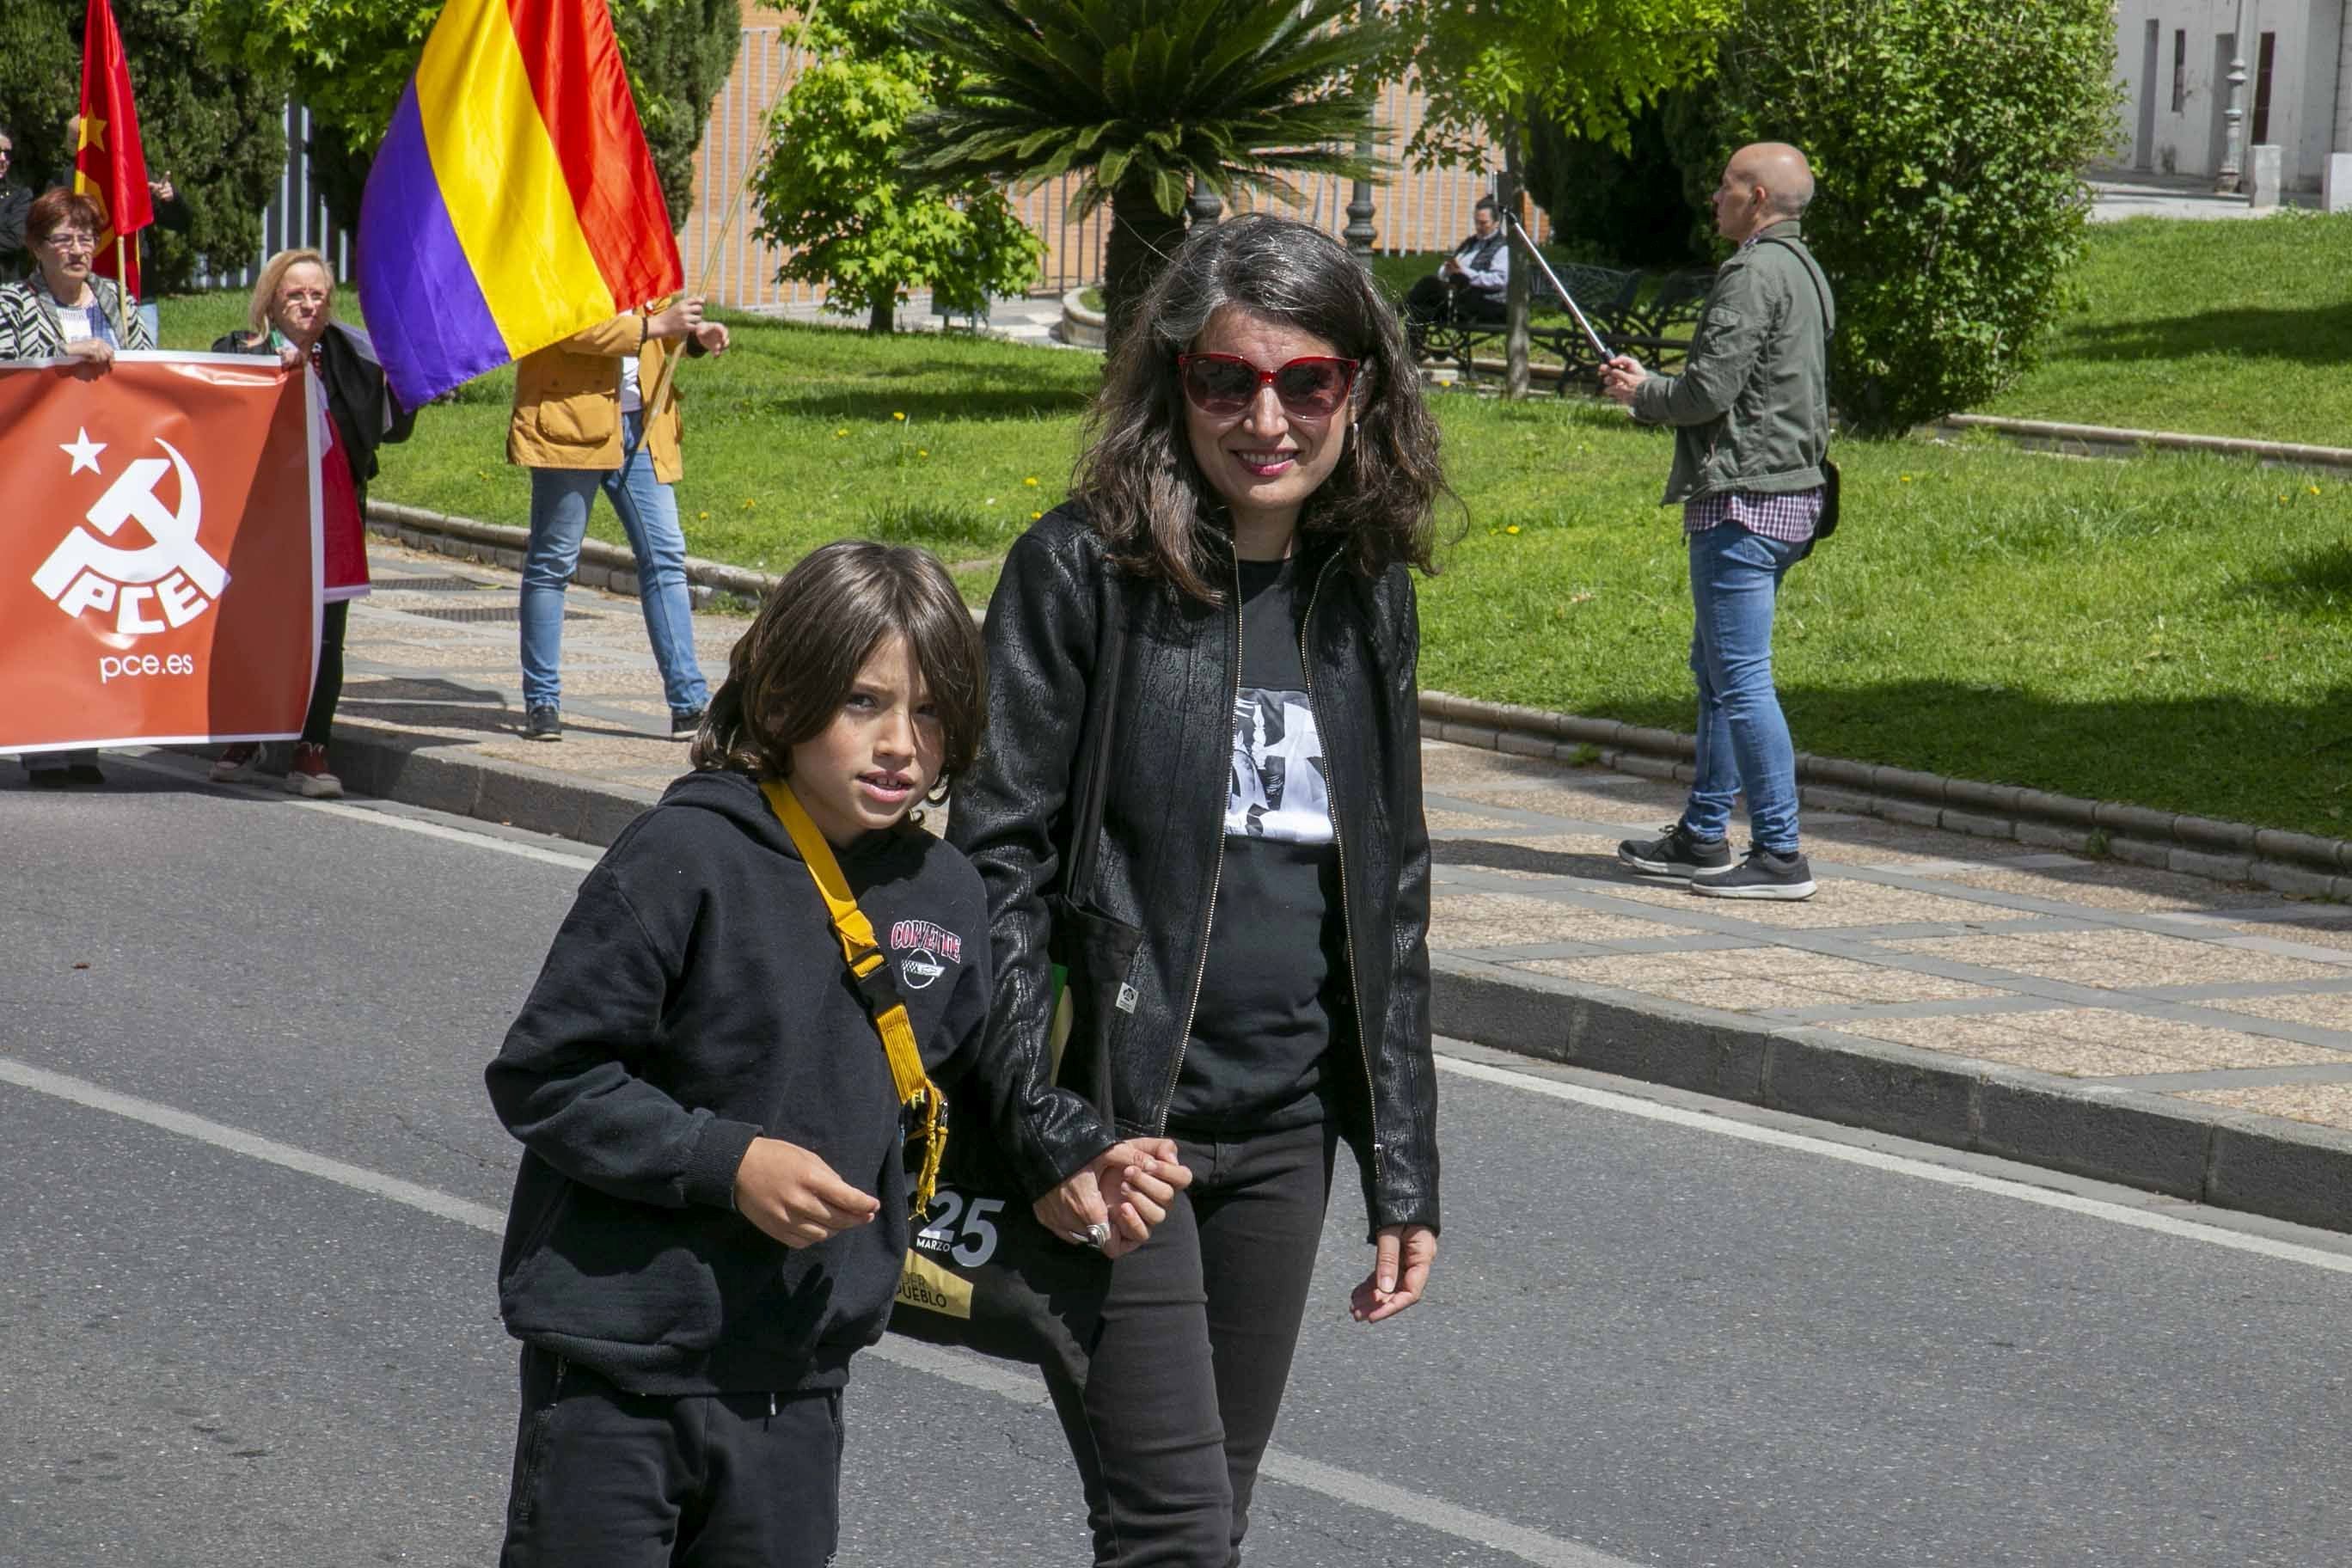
{"x":1789,"y":519}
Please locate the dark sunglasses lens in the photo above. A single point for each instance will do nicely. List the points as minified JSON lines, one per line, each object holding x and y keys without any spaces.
{"x":1219,"y":383}
{"x":1314,"y":388}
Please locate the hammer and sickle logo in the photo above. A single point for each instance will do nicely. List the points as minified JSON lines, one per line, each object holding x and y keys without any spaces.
{"x":174,"y":571}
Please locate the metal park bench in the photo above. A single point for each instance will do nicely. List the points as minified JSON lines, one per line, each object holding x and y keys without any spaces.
{"x":1655,"y":330}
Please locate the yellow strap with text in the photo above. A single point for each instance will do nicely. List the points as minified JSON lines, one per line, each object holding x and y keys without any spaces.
{"x":866,"y":958}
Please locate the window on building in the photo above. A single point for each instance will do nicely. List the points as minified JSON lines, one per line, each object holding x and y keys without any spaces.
{"x":2180,"y":70}
{"x":2263,"y":92}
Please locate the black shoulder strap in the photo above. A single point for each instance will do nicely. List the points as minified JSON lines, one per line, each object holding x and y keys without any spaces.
{"x":1813,"y":271}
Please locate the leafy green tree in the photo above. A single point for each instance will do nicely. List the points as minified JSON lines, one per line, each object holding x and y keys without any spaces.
{"x":1147,"y":99}
{"x":214,"y":129}
{"x":349,"y":60}
{"x":832,"y":189}
{"x":1493,"y":70}
{"x":1947,"y":137}
{"x":1631,"y":204}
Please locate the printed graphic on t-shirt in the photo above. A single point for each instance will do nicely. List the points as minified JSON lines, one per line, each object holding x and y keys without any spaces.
{"x":924,"y":952}
{"x":1277,"y":789}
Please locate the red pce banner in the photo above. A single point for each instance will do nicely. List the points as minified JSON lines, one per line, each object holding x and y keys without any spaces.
{"x":159,"y":558}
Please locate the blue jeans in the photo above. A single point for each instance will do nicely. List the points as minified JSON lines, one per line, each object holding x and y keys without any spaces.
{"x":1743,"y":741}
{"x":560,"y":499}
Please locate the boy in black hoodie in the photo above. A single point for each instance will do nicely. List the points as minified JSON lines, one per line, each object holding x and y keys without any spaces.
{"x":713,"y":1205}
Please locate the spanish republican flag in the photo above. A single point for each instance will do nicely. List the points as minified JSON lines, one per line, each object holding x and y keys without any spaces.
{"x":110,"y":165}
{"x":513,"y":201}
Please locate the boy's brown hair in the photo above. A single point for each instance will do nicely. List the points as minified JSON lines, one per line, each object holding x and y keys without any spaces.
{"x":791,"y":672}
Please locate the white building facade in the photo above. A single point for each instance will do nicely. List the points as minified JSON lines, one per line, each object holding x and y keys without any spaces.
{"x":2172,"y":58}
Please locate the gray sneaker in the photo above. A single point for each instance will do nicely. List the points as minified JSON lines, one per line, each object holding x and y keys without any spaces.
{"x":1763,"y":874}
{"x":1678,"y":854}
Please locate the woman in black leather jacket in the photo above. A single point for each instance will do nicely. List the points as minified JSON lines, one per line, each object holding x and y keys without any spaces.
{"x":1260,"y":482}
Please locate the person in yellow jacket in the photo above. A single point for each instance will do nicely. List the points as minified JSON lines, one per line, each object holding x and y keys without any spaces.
{"x":579,"y":426}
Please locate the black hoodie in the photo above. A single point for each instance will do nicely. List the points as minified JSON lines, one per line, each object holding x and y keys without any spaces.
{"x":696,"y":998}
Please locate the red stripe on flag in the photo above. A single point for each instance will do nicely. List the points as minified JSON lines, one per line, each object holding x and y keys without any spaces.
{"x":582,"y":93}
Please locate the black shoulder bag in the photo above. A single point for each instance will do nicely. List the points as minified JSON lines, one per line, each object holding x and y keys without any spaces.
{"x":1827,"y":524}
{"x":982,"y":1273}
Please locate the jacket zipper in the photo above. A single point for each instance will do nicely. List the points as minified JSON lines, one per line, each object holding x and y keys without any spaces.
{"x":1217,"y":877}
{"x":1340,"y":848}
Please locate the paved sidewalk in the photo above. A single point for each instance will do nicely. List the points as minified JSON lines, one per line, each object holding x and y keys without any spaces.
{"x":1950,"y":957}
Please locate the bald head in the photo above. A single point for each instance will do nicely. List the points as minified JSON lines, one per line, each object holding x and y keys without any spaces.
{"x":1765,"y":183}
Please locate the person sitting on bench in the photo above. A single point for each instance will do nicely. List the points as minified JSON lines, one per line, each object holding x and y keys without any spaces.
{"x":1468,"y":288}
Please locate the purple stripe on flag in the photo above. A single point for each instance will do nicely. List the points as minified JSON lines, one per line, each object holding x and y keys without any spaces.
{"x":432,"y":327}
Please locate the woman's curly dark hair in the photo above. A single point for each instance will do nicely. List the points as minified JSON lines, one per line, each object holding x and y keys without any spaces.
{"x":1145,"y":494}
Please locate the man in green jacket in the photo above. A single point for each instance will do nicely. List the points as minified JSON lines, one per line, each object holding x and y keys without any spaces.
{"x":1750,"y":414}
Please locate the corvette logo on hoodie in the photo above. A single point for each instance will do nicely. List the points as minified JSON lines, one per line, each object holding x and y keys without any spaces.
{"x":924,"y":952}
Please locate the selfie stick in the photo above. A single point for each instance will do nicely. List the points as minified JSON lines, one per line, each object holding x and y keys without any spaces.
{"x":1559,"y":288}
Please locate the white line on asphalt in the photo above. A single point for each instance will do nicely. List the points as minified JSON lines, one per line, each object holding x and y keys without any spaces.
{"x":970,"y":1371}
{"x":1973,"y":1180}
{"x":252,"y":1145}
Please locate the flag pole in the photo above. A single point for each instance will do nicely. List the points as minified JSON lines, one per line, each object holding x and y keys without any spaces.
{"x":122,"y":294}
{"x":659,"y":401}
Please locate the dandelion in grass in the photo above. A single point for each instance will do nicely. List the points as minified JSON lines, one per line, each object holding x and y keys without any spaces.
{"x":922,"y":451}
{"x":702,"y":517}
{"x":1513,"y":527}
{"x":1036,"y":515}
{"x":837,"y":434}
{"x":899,"y":416}
{"x":1031,"y":481}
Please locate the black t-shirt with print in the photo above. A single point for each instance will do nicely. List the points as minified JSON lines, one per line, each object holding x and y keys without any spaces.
{"x":1275,"y":961}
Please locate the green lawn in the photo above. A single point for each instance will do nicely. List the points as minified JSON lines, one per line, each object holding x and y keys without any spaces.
{"x":2172,"y":631}
{"x":2218,"y":328}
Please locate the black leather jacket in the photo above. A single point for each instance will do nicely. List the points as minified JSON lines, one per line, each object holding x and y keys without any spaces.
{"x":1163,"y":842}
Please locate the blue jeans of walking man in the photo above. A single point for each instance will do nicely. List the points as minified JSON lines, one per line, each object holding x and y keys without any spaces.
{"x":1743,"y":741}
{"x":560,"y":499}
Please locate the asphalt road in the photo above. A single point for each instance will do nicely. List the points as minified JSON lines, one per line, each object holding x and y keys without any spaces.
{"x":246,"y":1313}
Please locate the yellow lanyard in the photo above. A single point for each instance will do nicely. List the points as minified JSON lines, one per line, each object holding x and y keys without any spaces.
{"x":870,"y":966}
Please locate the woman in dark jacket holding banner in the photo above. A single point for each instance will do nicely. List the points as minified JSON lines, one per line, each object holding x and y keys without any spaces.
{"x":1260,"y":480}
{"x":293,"y":318}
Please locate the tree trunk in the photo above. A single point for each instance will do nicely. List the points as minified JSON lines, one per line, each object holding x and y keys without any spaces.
{"x":1141,"y":239}
{"x":883,"y":316}
{"x":1518,"y":295}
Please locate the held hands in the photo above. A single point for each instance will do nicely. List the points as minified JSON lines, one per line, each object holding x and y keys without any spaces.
{"x":712,"y":336}
{"x":794,"y":1196}
{"x":681,"y":318}
{"x":289,"y":358}
{"x":1621,"y":377}
{"x":1127,"y":1186}
{"x":96,"y":351}
{"x":1401,"y":1261}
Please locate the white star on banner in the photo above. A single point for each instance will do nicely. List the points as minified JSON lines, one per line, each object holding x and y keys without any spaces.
{"x":83,"y":451}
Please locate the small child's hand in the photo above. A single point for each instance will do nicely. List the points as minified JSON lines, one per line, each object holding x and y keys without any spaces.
{"x":794,"y":1196}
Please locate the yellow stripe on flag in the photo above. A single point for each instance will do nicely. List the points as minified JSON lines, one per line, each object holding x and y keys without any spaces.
{"x":502,"y":182}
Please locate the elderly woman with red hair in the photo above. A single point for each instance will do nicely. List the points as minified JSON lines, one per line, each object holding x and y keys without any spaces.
{"x":64,"y":311}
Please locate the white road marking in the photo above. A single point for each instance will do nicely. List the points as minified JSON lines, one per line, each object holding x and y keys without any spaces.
{"x":970,"y":1371}
{"x":1897,"y":1164}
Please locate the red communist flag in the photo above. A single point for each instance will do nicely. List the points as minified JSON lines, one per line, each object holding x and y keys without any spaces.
{"x":110,"y":165}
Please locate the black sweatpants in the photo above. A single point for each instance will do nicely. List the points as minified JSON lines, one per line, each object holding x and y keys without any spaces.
{"x":328,"y":690}
{"x":1186,"y":1375}
{"x":604,"y":1478}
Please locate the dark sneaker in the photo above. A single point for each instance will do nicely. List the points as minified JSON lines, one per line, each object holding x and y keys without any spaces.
{"x":544,"y":722}
{"x":1678,"y":854}
{"x":684,"y":726}
{"x":237,"y":762}
{"x":1763,"y":874}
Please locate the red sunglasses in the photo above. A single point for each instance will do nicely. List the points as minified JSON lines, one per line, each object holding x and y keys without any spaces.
{"x":1311,"y":388}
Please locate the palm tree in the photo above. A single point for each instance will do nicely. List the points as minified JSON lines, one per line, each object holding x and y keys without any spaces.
{"x":1147,"y":99}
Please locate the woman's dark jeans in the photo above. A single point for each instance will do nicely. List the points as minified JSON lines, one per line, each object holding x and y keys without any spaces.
{"x":1187,"y":1375}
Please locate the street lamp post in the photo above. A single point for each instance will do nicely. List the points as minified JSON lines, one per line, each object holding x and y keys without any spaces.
{"x":1359,"y":233}
{"x":2233,"y":116}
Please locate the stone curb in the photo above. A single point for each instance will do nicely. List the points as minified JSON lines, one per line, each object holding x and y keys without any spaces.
{"x":2207,"y":1154}
{"x":2106,"y":441}
{"x":2199,"y":847}
{"x":2285,"y":862}
{"x":2202,"y":1154}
